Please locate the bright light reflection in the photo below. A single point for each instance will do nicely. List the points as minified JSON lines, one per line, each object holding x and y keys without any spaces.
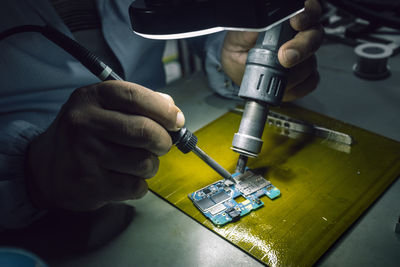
{"x":211,"y":30}
{"x":239,"y":234}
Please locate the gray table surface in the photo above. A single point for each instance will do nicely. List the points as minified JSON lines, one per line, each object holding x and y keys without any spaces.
{"x":161,"y":235}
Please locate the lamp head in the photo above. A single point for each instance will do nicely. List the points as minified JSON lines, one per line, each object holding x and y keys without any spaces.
{"x":174,"y":19}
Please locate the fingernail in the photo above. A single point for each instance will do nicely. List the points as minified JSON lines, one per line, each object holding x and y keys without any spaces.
{"x":291,"y":56}
{"x":180,"y":119}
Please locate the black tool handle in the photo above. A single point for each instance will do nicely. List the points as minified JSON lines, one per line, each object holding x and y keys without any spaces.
{"x":184,"y":139}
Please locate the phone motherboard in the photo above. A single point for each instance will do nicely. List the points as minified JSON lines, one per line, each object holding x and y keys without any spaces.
{"x":220,"y":203}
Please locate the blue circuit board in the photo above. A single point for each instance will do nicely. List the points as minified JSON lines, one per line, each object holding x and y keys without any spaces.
{"x":217,"y":201}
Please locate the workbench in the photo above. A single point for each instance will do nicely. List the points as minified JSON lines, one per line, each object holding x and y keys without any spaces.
{"x":161,"y":235}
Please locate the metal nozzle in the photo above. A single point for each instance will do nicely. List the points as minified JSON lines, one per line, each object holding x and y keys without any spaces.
{"x":247,"y":141}
{"x":241,"y":164}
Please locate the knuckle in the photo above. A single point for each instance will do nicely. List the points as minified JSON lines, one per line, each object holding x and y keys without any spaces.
{"x":104,"y":88}
{"x":309,"y":42}
{"x":167,"y":97}
{"x":317,"y":7}
{"x":127,"y":129}
{"x":145,"y":131}
{"x":309,"y":17}
{"x":313,"y":8}
{"x":86,"y":94}
{"x":166,"y":112}
{"x":140,"y":188}
{"x":74,"y":118}
{"x":150,"y":135}
{"x":170,"y":121}
{"x":139,"y":129}
{"x":77,"y":92}
{"x":149,"y":166}
{"x":117,"y":90}
{"x":152,"y":138}
{"x":133,"y":93}
{"x":147,"y":134}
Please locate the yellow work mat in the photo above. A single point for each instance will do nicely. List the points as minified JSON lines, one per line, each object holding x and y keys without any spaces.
{"x":323,"y":190}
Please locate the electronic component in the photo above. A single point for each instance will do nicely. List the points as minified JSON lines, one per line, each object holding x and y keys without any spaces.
{"x":249,"y":183}
{"x":218,"y":201}
{"x":234,"y":214}
{"x":206,"y":191}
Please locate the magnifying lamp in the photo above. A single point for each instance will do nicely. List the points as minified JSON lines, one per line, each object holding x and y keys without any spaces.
{"x":175,"y":19}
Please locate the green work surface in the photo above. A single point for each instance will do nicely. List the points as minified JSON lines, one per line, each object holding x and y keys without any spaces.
{"x":323,"y":190}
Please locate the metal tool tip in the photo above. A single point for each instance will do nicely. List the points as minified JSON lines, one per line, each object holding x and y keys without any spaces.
{"x":241,"y":164}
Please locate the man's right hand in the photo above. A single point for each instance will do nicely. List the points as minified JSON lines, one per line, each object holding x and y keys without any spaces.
{"x":101,"y":147}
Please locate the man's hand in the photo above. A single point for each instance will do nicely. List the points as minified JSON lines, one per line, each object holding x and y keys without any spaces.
{"x":297,"y":54}
{"x":102,"y":146}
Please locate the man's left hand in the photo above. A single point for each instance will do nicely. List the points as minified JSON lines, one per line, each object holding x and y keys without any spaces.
{"x":296,"y":54}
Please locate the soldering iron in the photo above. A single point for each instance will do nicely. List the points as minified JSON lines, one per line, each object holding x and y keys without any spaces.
{"x":264,"y":78}
{"x":183,"y":139}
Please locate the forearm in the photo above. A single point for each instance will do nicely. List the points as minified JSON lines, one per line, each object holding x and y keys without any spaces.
{"x":16,"y":209}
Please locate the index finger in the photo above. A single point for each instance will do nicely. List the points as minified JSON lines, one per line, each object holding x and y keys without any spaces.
{"x":132,"y":98}
{"x":309,"y":17}
{"x":301,"y":47}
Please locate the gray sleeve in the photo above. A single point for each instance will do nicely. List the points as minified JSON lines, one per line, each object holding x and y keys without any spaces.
{"x":217,"y":78}
{"x":16,"y":210}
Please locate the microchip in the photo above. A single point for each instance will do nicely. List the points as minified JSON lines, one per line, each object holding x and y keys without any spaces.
{"x":206,"y":191}
{"x":217,"y":209}
{"x":220,"y":197}
{"x":246,"y":202}
{"x":204,"y":203}
{"x":234,"y":214}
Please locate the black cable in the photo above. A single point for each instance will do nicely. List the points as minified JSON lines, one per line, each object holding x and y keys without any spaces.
{"x":83,"y":55}
{"x":20,"y":29}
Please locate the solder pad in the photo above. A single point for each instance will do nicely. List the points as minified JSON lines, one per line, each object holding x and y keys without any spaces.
{"x":218,"y":201}
{"x":324,"y":190}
